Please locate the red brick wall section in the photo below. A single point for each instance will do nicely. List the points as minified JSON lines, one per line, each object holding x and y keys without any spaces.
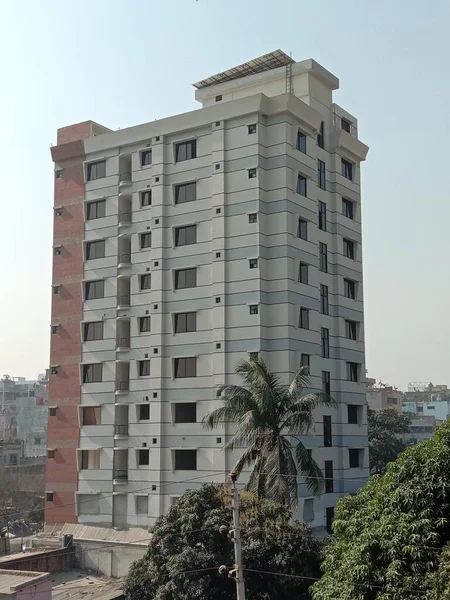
{"x":67,"y":310}
{"x":47,"y":561}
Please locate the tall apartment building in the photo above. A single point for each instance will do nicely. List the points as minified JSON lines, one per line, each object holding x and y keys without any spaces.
{"x":186,"y":244}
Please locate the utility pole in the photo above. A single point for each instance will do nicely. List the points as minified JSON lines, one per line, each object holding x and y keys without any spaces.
{"x":238,"y":570}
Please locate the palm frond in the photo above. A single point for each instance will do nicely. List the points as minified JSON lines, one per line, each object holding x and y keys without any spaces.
{"x":281,"y":474}
{"x":244,"y":461}
{"x":301,"y":381}
{"x":237,"y":401}
{"x":309,"y":469}
{"x":257,"y":481}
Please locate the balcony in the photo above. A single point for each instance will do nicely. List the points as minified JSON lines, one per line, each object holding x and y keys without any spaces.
{"x":123,"y":291}
{"x":120,"y":475}
{"x":122,"y":377}
{"x":123,"y":333}
{"x":121,"y":430}
{"x":122,"y":386}
{"x":124,"y":251}
{"x":124,"y":260}
{"x":125,"y":210}
{"x":123,"y":301}
{"x":124,"y":219}
{"x":123,"y":343}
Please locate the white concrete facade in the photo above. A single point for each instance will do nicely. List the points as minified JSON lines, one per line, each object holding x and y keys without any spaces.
{"x":246,"y":164}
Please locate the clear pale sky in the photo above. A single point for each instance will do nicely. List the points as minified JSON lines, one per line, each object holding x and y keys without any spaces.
{"x":125,"y":62}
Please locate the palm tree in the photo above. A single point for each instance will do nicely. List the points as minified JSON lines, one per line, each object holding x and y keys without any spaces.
{"x":269,"y":416}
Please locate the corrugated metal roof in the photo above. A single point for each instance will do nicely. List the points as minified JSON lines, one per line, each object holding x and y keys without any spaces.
{"x":87,"y":588}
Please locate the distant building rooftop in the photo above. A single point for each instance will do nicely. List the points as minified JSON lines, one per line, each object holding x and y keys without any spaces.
{"x":88,"y":588}
{"x":14,"y":581}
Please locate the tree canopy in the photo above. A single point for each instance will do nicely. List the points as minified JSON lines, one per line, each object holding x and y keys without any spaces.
{"x":186,"y":549}
{"x":389,"y":538}
{"x":385,"y":427}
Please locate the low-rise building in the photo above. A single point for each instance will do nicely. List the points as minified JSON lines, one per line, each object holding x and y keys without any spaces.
{"x":420,"y":429}
{"x":381,"y":396}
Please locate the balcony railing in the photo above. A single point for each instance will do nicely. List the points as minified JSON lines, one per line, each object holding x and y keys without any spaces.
{"x":124,"y":178}
{"x":122,"y":386}
{"x":120,"y":474}
{"x":123,"y":342}
{"x":121,"y":429}
{"x":125,"y":259}
{"x":123,"y":300}
{"x":125,"y":217}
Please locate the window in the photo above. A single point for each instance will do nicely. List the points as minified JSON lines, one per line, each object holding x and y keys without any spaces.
{"x":146,"y":240}
{"x":321,"y":174}
{"x":323,"y":257}
{"x":305,"y":360}
{"x":143,"y":457}
{"x":184,"y":236}
{"x":144,"y":324}
{"x":253,"y":309}
{"x":185,"y":367}
{"x":142,"y":505}
{"x":58,"y":173}
{"x":303,"y":273}
{"x":146,"y":198}
{"x":185,"y":460}
{"x":327,"y":431}
{"x":324,"y":306}
{"x":143,"y":412}
{"x":185,"y":150}
{"x":301,"y":185}
{"x":95,"y":210}
{"x":55,"y":328}
{"x":185,"y":278}
{"x":329,"y":516}
{"x":325,"y":342}
{"x":253,"y":355}
{"x":347,"y":208}
{"x":90,"y":459}
{"x":345,"y":125}
{"x":394,"y":401}
{"x":146,"y":158}
{"x":93,"y":331}
{"x":37,"y":442}
{"x":91,"y":415}
{"x":252,"y":128}
{"x":54,"y":370}
{"x":251,"y":173}
{"x":13,"y":459}
{"x":52,"y":411}
{"x":144,"y":368}
{"x":92,"y":373}
{"x":252,"y":218}
{"x":349,"y":249}
{"x":352,"y":371}
{"x":49,"y":496}
{"x":302,"y":229}
{"x":185,"y":322}
{"x":351,"y":330}
{"x":145,"y":281}
{"x":322,"y":216}
{"x":219,"y":98}
{"x":301,"y":142}
{"x":185,"y":192}
{"x":328,"y":476}
{"x":304,"y":318}
{"x":96,"y":170}
{"x":58,"y":212}
{"x":353,"y":458}
{"x":350,"y":288}
{"x":94,"y":289}
{"x":352,"y":412}
{"x":347,"y":169}
{"x":326,"y":383}
{"x":185,"y":412}
{"x":253,"y":263}
{"x":321,"y":136}
{"x":57,"y":250}
{"x":95,"y":249}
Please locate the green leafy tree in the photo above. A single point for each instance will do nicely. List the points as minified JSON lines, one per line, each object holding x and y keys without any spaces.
{"x":389,"y":538}
{"x":186,"y":549}
{"x":269,"y":417}
{"x":385,"y":427}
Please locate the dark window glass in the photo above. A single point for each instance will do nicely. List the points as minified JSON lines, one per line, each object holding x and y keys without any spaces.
{"x":305,"y":360}
{"x":349,"y":249}
{"x":347,"y":169}
{"x":146,"y":240}
{"x":326,"y":383}
{"x":323,"y":257}
{"x":253,"y":309}
{"x":345,"y":125}
{"x":322,"y":216}
{"x":325,"y":342}
{"x":93,"y":331}
{"x":253,"y":263}
{"x":145,"y":281}
{"x":252,"y":218}
{"x":92,"y":373}
{"x":185,"y":278}
{"x":49,"y":496}
{"x":186,"y":412}
{"x":184,"y":236}
{"x":94,"y":289}
{"x":95,"y":210}
{"x":328,"y":476}
{"x":143,"y":457}
{"x":301,"y":142}
{"x":144,"y":412}
{"x":353,"y":458}
{"x":96,"y":170}
{"x":146,"y":158}
{"x":146,"y":198}
{"x":303,"y":273}
{"x":324,"y":306}
{"x":251,"y":173}
{"x":186,"y":150}
{"x":144,"y":368}
{"x":185,"y":322}
{"x":185,"y":367}
{"x":351,"y":330}
{"x":350,"y":288}
{"x":252,"y":128}
{"x":352,"y":371}
{"x":321,"y":136}
{"x":144,"y":324}
{"x":301,"y":185}
{"x":304,"y":318}
{"x":302,"y":230}
{"x":95,"y":249}
{"x":185,"y":192}
{"x":329,"y":517}
{"x":352,"y":410}
{"x":327,"y":431}
{"x":347,"y":208}
{"x":185,"y":460}
{"x":321,"y":182}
